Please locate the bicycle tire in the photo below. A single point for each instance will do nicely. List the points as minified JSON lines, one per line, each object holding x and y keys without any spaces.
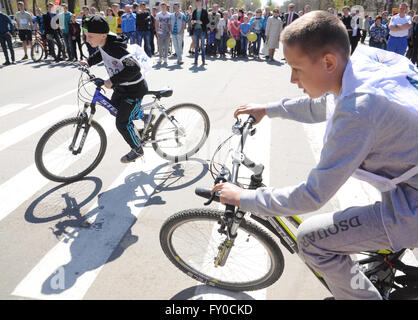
{"x":274,"y":253}
{"x":40,"y":150}
{"x":185,"y":154}
{"x":37,"y":51}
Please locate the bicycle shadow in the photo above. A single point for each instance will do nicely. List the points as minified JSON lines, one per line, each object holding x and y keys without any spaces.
{"x":104,"y":233}
{"x":198,"y":292}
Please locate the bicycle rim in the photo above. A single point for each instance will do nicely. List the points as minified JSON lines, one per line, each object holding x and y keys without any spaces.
{"x":252,"y":264}
{"x":57,"y":162}
{"x":181,"y":134}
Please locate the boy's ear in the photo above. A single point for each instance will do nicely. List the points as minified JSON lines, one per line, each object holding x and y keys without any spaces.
{"x":330,"y":62}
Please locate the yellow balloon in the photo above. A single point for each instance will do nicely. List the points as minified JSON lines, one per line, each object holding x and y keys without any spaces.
{"x":231,"y":43}
{"x":252,"y":37}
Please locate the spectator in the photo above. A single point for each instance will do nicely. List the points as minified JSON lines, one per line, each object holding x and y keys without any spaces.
{"x":24,"y":25}
{"x":162,"y":25}
{"x":129,"y":24}
{"x":214,"y":18}
{"x":234,"y":27}
{"x":346,"y":20}
{"x":332,"y":11}
{"x":200,"y":20}
{"x":190,"y":28}
{"x":93,"y":10}
{"x":378,"y":34}
{"x":365,"y":28}
{"x":290,"y":16}
{"x":64,"y":20}
{"x":119,"y":29}
{"x":222,"y":34}
{"x":241,"y":15}
{"x":411,"y":13}
{"x":38,"y":21}
{"x":356,"y":23}
{"x":307,"y":9}
{"x":86,"y":14}
{"x":178,"y":25}
{"x":75,"y":33}
{"x":257,"y":23}
{"x":6,"y":28}
{"x":244,"y":30}
{"x":273,"y":31}
{"x":143,"y":28}
{"x":414,"y":57}
{"x":399,"y":27}
{"x":112,"y":20}
{"x":153,"y":31}
{"x":266,"y":15}
{"x":52,"y":34}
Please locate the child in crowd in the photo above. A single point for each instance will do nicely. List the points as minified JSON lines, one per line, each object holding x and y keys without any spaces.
{"x":245,"y":29}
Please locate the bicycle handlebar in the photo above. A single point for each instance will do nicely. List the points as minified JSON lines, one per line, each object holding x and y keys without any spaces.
{"x":97,"y":81}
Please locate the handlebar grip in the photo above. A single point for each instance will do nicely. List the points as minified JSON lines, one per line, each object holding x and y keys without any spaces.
{"x":206,"y":193}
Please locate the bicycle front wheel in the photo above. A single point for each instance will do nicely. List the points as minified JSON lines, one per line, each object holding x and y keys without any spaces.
{"x":191,"y":240}
{"x":36,"y":52}
{"x":57,"y":162}
{"x":181,"y":133}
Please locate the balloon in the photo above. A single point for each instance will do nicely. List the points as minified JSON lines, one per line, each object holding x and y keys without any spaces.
{"x":252,"y":37}
{"x":231,"y":43}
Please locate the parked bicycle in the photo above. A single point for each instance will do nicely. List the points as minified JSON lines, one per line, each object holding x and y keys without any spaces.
{"x":237,"y":251}
{"x":73,"y":147}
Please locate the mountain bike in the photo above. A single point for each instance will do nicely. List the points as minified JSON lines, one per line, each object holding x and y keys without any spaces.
{"x":73,"y":147}
{"x":40,"y":46}
{"x":238,"y":251}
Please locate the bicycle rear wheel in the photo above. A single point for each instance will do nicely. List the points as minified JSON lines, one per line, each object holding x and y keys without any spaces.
{"x":190,"y":239}
{"x":56,"y":161}
{"x":37,"y":51}
{"x":182,"y":133}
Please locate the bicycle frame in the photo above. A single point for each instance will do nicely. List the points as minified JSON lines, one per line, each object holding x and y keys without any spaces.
{"x":101,"y":99}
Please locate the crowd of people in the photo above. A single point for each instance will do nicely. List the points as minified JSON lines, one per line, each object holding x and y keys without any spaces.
{"x":162,"y":28}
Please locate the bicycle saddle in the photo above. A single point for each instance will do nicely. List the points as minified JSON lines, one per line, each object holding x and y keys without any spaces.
{"x":167,"y":92}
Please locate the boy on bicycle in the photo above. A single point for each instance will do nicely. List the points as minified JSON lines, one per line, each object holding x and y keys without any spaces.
{"x":371,"y":100}
{"x":126,"y":80}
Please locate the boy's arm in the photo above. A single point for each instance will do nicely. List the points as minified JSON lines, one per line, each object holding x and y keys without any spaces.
{"x":303,"y":109}
{"x":348,"y":144}
{"x":95,"y":58}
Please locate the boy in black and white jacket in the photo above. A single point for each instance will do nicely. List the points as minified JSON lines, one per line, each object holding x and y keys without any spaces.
{"x":126,"y":80}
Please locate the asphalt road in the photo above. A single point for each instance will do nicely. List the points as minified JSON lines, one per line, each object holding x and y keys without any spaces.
{"x":119,"y":255}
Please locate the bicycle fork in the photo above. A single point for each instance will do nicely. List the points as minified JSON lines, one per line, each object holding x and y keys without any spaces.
{"x":86,"y":121}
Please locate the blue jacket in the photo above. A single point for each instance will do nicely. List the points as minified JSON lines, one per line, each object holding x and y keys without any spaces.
{"x":6,"y":24}
{"x":128,"y":23}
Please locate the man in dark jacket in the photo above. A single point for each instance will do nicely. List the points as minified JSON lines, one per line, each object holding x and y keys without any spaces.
{"x":290,"y":16}
{"x":143,"y":27}
{"x":6,"y":28}
{"x":414,"y":57}
{"x":52,"y":34}
{"x":126,"y":80}
{"x":200,"y":20}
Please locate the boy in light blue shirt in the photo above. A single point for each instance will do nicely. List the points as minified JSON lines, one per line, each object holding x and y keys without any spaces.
{"x":178,"y":25}
{"x":245,"y":29}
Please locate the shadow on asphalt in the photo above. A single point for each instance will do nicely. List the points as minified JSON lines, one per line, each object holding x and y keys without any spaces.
{"x":102,"y":234}
{"x":195,"y":293}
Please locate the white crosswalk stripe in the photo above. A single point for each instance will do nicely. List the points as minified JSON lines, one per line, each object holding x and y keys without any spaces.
{"x":19,"y":187}
{"x":10,"y":108}
{"x":25,"y":130}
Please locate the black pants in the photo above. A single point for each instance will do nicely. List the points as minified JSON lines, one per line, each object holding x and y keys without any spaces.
{"x":55,"y":36}
{"x":77,"y":42}
{"x":354,"y":43}
{"x":6,"y":39}
{"x":128,"y":109}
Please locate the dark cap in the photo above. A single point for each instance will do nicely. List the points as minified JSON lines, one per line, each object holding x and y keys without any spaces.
{"x":95,"y":23}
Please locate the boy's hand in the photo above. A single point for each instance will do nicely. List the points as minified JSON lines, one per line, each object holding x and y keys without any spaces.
{"x":258,"y":111}
{"x":230,"y":193}
{"x":108,"y":84}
